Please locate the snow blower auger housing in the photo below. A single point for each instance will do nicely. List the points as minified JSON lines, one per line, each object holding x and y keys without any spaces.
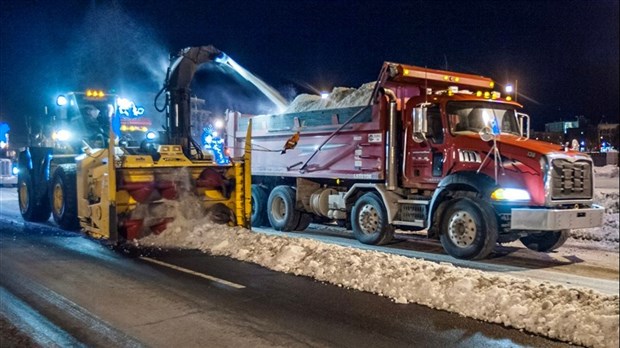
{"x":119,"y":196}
{"x":87,"y":176}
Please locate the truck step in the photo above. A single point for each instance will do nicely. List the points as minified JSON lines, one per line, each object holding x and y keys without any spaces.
{"x":416,"y":223}
{"x":413,"y":201}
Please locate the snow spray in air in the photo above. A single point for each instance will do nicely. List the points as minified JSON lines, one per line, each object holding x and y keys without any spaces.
{"x":267,"y":90}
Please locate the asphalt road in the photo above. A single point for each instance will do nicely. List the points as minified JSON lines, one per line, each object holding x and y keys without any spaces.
{"x":66,"y":289}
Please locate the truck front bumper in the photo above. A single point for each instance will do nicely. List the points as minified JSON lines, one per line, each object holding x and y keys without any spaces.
{"x":8,"y":180}
{"x":556,"y":219}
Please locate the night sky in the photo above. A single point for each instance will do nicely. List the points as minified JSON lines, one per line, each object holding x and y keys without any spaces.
{"x":564,"y":54}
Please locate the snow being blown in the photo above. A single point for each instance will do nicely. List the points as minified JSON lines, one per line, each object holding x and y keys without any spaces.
{"x":573,"y":315}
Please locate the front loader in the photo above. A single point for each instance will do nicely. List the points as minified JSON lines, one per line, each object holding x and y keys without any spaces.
{"x":81,"y":169}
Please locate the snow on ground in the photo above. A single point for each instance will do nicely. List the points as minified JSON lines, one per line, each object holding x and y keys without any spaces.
{"x":575,"y":315}
{"x":606,"y":195}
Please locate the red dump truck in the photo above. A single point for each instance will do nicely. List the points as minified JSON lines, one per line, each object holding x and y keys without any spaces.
{"x":431,"y":150}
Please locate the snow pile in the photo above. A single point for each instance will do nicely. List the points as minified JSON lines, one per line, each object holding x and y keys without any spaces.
{"x":340,"y":97}
{"x":607,"y":236}
{"x":574,"y":315}
{"x":608,"y":171}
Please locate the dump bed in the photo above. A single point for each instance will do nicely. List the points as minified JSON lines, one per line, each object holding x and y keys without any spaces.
{"x":346,"y":143}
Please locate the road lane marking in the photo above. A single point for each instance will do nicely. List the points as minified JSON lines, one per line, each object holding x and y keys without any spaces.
{"x":189,"y":271}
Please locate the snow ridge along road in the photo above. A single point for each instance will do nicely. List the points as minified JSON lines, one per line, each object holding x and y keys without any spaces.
{"x":565,"y":312}
{"x":573,"y":315}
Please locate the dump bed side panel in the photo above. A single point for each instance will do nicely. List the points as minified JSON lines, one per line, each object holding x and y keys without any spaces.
{"x":356,"y":151}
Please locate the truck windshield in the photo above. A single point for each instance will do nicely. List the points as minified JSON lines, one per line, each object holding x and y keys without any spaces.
{"x":473,"y":116}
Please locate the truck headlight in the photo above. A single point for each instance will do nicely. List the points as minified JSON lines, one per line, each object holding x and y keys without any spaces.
{"x":510,"y":194}
{"x":15,"y":170}
{"x":62,"y":135}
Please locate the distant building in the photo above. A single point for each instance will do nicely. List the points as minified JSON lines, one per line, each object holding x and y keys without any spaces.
{"x":561,"y":126}
{"x":550,"y":137}
{"x":608,"y":136}
{"x":589,"y":136}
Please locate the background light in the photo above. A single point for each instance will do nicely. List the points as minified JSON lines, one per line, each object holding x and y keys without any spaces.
{"x":509,"y":89}
{"x":63,"y":135}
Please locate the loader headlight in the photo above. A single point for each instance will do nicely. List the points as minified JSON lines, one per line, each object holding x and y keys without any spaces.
{"x":61,"y":100}
{"x":510,"y":194}
{"x":61,"y":135}
{"x":151,"y":135}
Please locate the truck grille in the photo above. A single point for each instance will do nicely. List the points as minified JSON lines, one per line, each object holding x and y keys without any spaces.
{"x":571,"y":180}
{"x":5,"y":167}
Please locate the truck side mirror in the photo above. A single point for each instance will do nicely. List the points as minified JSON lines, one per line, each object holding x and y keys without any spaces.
{"x":523,"y":119}
{"x":420,"y":123}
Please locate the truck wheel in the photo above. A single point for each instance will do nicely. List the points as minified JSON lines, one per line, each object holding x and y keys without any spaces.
{"x":259,"y":206}
{"x":31,"y":208}
{"x":369,"y":220}
{"x":63,"y":197}
{"x":545,"y":241}
{"x":304,"y":221}
{"x":468,"y":229}
{"x":281,"y":206}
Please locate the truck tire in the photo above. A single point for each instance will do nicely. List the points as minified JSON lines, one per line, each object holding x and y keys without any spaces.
{"x":468,"y":229}
{"x":63,"y":197}
{"x":369,"y":220}
{"x":259,"y":206}
{"x":33,"y":209}
{"x":281,"y":208}
{"x":304,"y":221}
{"x":545,"y":241}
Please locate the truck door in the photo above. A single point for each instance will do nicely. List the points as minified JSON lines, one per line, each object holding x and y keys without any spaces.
{"x":423,"y":162}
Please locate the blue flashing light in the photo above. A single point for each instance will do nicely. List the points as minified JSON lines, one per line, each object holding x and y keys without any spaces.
{"x":4,"y":130}
{"x":212,"y":142}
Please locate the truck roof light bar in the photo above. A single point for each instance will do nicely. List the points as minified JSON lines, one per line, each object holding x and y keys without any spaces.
{"x":410,"y":73}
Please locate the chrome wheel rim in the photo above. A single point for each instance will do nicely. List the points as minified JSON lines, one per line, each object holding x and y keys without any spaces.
{"x":368,"y":219}
{"x":462,"y":229}
{"x":278,"y":208}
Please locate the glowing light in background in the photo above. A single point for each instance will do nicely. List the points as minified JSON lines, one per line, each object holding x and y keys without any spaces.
{"x":128,"y":108}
